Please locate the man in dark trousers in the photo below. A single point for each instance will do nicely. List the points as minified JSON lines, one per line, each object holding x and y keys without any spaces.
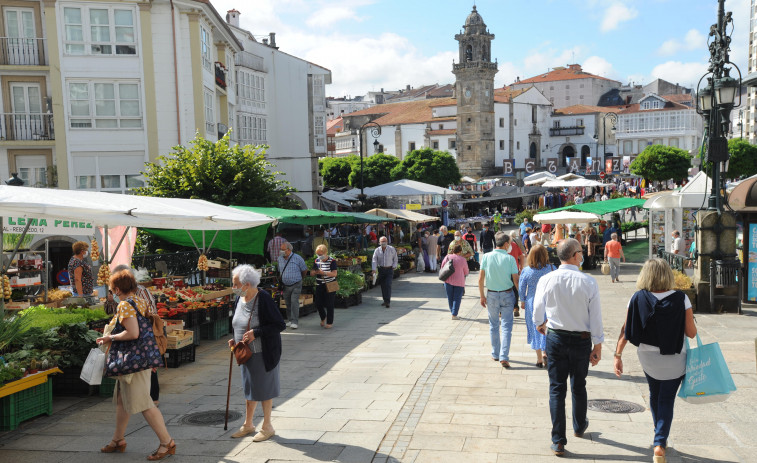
{"x":445,"y":239}
{"x":486,"y":240}
{"x":470,"y":238}
{"x":384,"y":262}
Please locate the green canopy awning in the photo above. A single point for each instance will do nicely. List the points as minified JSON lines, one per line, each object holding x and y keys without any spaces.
{"x":362,"y":217}
{"x":246,"y":241}
{"x":603,"y":207}
{"x":300,"y":216}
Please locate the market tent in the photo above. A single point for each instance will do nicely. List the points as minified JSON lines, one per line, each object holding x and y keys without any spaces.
{"x":603,"y":207}
{"x":403,"y":214}
{"x":408,"y":188}
{"x":300,"y":216}
{"x":574,"y":183}
{"x":362,"y":217}
{"x":691,"y":195}
{"x":108,"y":209}
{"x":338,"y":197}
{"x":538,"y":178}
{"x":566,"y":217}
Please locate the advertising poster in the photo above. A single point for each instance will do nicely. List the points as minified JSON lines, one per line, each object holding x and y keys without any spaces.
{"x":608,"y":166}
{"x":752,"y":279}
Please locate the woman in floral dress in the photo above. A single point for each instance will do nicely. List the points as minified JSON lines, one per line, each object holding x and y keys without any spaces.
{"x":537,"y":266}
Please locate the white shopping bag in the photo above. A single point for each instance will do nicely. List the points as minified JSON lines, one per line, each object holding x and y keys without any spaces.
{"x":92,"y":371}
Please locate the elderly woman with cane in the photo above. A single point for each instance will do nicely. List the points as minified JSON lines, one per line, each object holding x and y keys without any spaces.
{"x":257,"y":323}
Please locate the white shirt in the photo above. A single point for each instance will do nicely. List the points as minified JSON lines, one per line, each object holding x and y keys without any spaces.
{"x":658,"y":366}
{"x":570,"y":300}
{"x":534,"y":237}
{"x":676,"y":245}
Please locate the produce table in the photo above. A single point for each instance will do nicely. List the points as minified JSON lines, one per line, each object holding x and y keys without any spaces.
{"x":26,"y":398}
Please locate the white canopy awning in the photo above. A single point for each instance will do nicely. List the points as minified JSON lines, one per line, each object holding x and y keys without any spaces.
{"x":566,"y":217}
{"x":408,"y":188}
{"x":538,"y":178}
{"x":403,"y":214}
{"x":109,"y":209}
{"x":574,"y":183}
{"x":692,"y":195}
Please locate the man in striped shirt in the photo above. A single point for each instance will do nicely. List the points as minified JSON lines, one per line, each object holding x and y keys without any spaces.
{"x":274,"y":246}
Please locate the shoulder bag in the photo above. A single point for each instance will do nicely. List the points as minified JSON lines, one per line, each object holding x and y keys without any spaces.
{"x":126,"y":357}
{"x":447,"y":270}
{"x":242,"y":351}
{"x":281,"y":275}
{"x":332,"y":286}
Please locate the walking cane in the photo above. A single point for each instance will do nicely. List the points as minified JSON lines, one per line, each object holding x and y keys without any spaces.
{"x":228,"y":391}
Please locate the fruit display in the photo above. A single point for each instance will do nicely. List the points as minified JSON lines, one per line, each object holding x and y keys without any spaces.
{"x":202,"y":263}
{"x":94,"y":251}
{"x":6,"y":287}
{"x":55,"y":295}
{"x":103,"y":275}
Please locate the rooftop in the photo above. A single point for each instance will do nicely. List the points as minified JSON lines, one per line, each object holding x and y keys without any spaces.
{"x":572,"y":72}
{"x":406,"y":112}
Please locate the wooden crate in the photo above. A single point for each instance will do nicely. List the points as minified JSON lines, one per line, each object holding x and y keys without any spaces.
{"x":173,"y":325}
{"x":180,"y":338}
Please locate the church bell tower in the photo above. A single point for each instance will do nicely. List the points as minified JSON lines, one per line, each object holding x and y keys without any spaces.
{"x":474,"y":90}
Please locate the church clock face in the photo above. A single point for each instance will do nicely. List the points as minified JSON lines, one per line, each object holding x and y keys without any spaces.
{"x":486,"y":92}
{"x":467,"y":93}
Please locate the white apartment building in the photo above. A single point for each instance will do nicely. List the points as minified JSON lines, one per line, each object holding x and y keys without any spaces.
{"x":337,"y":107}
{"x":281,"y":102}
{"x":580,"y":132}
{"x":657,"y":121}
{"x":569,"y":86}
{"x":750,"y":110}
{"x":521,"y":123}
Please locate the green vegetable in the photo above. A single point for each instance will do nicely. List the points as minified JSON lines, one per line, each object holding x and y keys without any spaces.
{"x":45,"y":318}
{"x":349,"y":283}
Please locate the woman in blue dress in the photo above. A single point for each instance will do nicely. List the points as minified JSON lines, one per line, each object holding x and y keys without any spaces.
{"x":538,"y":266}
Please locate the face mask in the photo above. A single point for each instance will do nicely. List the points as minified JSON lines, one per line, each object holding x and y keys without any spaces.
{"x":238,"y":292}
{"x":582,"y":260}
{"x":383,"y":245}
{"x":84,"y":256}
{"x":323,"y":257}
{"x":116,"y":298}
{"x":458,"y":238}
{"x":426,"y":235}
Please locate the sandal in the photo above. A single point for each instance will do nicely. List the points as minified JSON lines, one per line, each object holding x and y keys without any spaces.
{"x":115,"y":446}
{"x":505,"y":363}
{"x":158,"y":455}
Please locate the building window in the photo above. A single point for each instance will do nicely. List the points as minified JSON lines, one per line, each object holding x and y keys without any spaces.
{"x":99,"y":31}
{"x":517,"y":145}
{"x":468,"y":147}
{"x":104,"y":105}
{"x":253,"y":131}
{"x":501,"y":121}
{"x":533,"y":114}
{"x":209,"y":118}
{"x":582,"y":85}
{"x":673,"y":142}
{"x":581,"y":97}
{"x":441,"y":126}
{"x":411,"y":146}
{"x":502,"y":144}
{"x":628,"y":147}
{"x":567,"y":86}
{"x":32,"y":169}
{"x":205,"y":48}
{"x":251,"y":89}
{"x":469,"y":119}
{"x":452,"y":143}
{"x":580,"y":122}
{"x":435,"y":145}
{"x":556,"y":124}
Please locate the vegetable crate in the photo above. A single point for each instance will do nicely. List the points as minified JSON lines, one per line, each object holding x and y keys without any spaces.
{"x":26,"y":404}
{"x":214,"y":330}
{"x":175,"y":357}
{"x":106,"y":386}
{"x":180,"y":338}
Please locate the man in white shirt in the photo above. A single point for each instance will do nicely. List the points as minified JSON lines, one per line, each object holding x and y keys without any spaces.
{"x":568,"y":312}
{"x":384,"y":262}
{"x":675,"y":248}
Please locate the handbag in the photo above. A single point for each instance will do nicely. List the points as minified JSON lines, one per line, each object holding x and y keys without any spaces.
{"x":241,"y":350}
{"x":332,"y":286}
{"x":126,"y":357}
{"x":447,"y":270}
{"x":92,"y":371}
{"x":281,"y":282}
{"x":707,"y":377}
{"x":605,"y":268}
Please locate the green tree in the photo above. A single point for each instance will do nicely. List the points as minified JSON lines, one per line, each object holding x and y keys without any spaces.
{"x":219,"y":173}
{"x":661,"y":163}
{"x":426,"y":165}
{"x":743,"y":161}
{"x":377,"y":170}
{"x":336,"y":171}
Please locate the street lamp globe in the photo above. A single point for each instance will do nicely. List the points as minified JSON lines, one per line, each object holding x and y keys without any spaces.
{"x":375,"y":146}
{"x":14,"y":180}
{"x":705,"y":99}
{"x":725,"y":90}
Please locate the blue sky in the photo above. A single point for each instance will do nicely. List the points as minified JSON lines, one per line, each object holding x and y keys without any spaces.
{"x":373,"y":44}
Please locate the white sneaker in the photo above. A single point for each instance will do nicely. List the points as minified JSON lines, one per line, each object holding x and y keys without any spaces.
{"x":293,"y":326}
{"x":289,"y":323}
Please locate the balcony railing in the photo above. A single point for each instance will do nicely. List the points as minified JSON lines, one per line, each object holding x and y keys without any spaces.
{"x":221,"y":72}
{"x":21,"y":126}
{"x":18,"y":51}
{"x":251,"y":61}
{"x":565,"y":131}
{"x":474,"y":65}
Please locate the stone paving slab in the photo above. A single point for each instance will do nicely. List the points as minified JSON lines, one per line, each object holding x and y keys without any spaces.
{"x":408,"y":384}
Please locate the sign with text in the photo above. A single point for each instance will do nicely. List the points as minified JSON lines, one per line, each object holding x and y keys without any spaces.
{"x":752,"y":263}
{"x":575,"y":165}
{"x":507,"y":168}
{"x":617,"y":163}
{"x":530,"y":166}
{"x":551,"y":165}
{"x":47,"y":226}
{"x":412,"y":207}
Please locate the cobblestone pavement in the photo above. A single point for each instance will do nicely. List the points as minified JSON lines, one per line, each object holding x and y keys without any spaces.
{"x":408,"y":384}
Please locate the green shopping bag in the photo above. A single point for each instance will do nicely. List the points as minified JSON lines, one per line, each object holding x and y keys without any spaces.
{"x":707,"y":377}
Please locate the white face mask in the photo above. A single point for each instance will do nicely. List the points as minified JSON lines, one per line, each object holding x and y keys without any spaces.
{"x":84,"y":256}
{"x":323,"y":257}
{"x":238,"y":291}
{"x":383,"y":245}
{"x":458,"y":238}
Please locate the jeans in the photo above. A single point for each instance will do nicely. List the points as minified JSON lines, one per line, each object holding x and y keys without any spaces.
{"x":324,"y":302}
{"x":614,"y":267}
{"x":454,"y":296}
{"x":568,"y":356}
{"x":385,"y":276}
{"x":292,"y":300}
{"x":500,"y":307}
{"x":662,"y":397}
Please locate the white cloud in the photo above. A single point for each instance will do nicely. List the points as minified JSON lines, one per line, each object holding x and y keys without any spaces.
{"x":599,"y":66}
{"x":328,"y":16}
{"x":693,"y":40}
{"x":615,"y":14}
{"x":543,"y":59}
{"x":686,"y":74}
{"x":669,"y":47}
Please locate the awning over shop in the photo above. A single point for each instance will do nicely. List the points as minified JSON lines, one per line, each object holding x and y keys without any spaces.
{"x":538,"y":178}
{"x":691,"y":195}
{"x":402,"y":214}
{"x":362,"y":217}
{"x":603,"y":207}
{"x":743,"y":198}
{"x":573,"y":183}
{"x":566,"y":217}
{"x":300,"y":216}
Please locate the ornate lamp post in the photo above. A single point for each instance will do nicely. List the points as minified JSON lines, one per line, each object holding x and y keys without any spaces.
{"x":375,"y":129}
{"x":613,"y":117}
{"x":716,"y":100}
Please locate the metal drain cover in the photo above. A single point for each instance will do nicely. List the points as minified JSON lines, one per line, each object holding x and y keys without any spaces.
{"x":209,"y":418}
{"x":614,"y":406}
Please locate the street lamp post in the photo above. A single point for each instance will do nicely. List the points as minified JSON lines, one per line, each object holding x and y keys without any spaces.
{"x":375,"y":129}
{"x":614,"y":120}
{"x":716,"y":100}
